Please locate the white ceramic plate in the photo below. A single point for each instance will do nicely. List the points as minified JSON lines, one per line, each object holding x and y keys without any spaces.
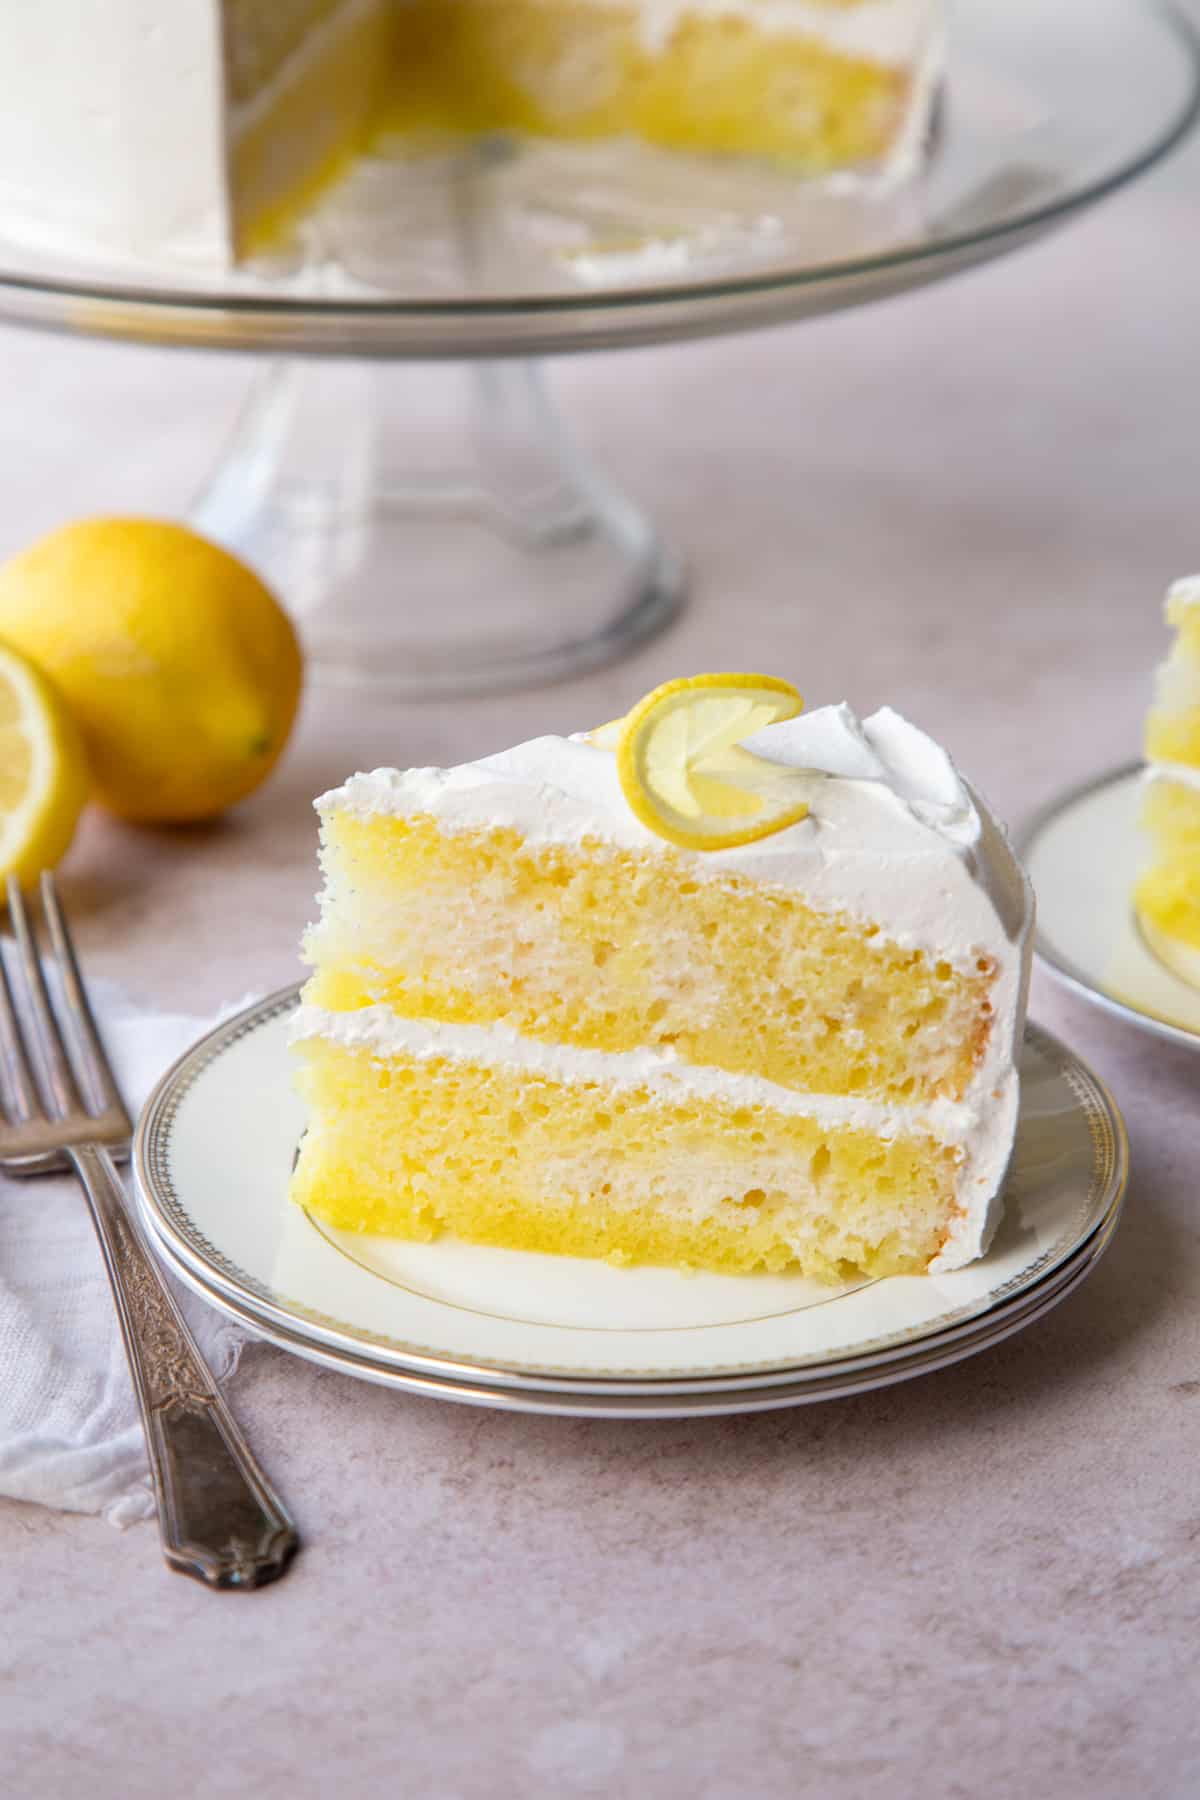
{"x":1082,"y":851}
{"x":213,"y":1154}
{"x":674,"y":1399}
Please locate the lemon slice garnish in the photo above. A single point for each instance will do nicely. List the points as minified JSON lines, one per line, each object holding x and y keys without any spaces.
{"x":683,"y":770}
{"x":43,"y":771}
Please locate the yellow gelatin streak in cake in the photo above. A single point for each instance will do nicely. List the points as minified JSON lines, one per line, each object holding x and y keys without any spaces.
{"x":413,"y":1147}
{"x":613,"y":949}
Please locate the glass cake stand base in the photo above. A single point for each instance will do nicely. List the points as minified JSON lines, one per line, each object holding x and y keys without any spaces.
{"x":456,"y":547}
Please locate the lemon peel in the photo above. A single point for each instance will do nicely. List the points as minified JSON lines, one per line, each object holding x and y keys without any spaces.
{"x":684,"y":772}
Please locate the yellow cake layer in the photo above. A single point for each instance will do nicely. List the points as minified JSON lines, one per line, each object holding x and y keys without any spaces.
{"x":561,"y":69}
{"x":1168,"y":891}
{"x":502,"y":1156}
{"x":1173,"y":736}
{"x":611,"y":949}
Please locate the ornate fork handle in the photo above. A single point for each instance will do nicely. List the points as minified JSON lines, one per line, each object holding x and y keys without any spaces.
{"x":219,"y":1518}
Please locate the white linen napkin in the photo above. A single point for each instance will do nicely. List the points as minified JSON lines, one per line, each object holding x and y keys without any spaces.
{"x":70,"y":1436}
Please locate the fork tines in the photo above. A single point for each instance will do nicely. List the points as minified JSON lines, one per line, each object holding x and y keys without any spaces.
{"x":57,"y":1088}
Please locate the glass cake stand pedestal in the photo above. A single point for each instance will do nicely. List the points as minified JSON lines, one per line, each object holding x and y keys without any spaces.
{"x":471,"y":543}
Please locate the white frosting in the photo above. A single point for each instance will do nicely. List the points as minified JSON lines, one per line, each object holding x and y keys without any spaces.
{"x":1186,"y":774}
{"x":894,"y":838}
{"x":1183,"y":594}
{"x":113,"y":133}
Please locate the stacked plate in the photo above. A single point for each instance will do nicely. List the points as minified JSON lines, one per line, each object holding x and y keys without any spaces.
{"x":533,"y":1333}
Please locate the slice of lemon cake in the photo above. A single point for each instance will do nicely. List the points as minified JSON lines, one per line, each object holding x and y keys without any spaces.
{"x":1167,"y":896}
{"x":718,"y":985}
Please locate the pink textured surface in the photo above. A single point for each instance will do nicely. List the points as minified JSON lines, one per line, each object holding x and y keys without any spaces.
{"x":966,"y":503}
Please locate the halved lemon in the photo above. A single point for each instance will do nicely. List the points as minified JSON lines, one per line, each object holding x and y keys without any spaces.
{"x":683,"y":769}
{"x":43,"y":771}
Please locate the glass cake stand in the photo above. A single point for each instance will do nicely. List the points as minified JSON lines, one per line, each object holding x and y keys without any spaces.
{"x":472,"y":544}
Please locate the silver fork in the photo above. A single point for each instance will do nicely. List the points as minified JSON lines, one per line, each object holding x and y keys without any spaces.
{"x":219,"y":1518}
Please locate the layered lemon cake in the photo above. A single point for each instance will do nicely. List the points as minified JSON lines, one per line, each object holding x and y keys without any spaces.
{"x":197,"y":127}
{"x":720,"y":985}
{"x":1167,"y":896}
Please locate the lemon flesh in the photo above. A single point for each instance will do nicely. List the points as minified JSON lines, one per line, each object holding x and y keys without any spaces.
{"x":684,"y":772}
{"x":43,"y":771}
{"x":179,"y":665}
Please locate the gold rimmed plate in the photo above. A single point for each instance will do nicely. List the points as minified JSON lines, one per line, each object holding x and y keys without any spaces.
{"x":213,"y":1154}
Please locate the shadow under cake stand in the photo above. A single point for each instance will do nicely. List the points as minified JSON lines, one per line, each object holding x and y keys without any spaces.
{"x":475,"y":545}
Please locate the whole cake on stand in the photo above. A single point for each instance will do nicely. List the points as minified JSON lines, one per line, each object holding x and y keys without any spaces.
{"x":358,"y":186}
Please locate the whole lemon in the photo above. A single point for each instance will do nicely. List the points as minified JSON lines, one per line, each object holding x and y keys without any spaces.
{"x":179,"y":665}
